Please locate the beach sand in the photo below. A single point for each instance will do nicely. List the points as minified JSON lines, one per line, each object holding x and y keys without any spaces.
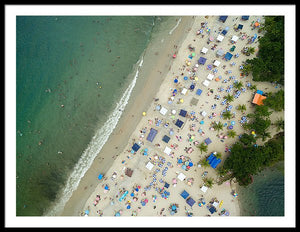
{"x":134,"y":128}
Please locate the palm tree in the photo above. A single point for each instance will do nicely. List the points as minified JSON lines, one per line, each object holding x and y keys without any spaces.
{"x":208,"y":182}
{"x":242,"y":107}
{"x":229,"y":98}
{"x":231,"y":134}
{"x":218,"y":155}
{"x":238,"y":85}
{"x":265,"y":135}
{"x":204,"y":162}
{"x":202,"y":147}
{"x":218,"y":126}
{"x":227,"y":115}
{"x":253,"y":87}
{"x":251,"y":50}
{"x":279,"y":123}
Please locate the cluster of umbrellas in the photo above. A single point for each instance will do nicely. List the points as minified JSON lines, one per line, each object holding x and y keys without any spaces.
{"x":243,"y":119}
{"x":185,"y":162}
{"x":237,"y":94}
{"x":229,"y":88}
{"x":144,"y":201}
{"x":173,"y":208}
{"x":201,"y":202}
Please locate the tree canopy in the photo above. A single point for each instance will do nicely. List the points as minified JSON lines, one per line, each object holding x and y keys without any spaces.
{"x":269,"y":64}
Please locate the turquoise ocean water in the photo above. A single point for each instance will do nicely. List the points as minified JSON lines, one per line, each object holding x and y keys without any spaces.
{"x":71,"y":73}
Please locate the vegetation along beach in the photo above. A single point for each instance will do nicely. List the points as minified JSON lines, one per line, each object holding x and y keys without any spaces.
{"x":166,"y":116}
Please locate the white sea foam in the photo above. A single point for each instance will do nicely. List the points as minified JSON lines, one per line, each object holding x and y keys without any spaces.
{"x":94,"y":147}
{"x":170,"y":32}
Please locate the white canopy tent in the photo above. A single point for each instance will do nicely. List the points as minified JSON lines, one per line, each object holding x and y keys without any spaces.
{"x":167,"y":150}
{"x":181,"y":176}
{"x":206,"y":83}
{"x":163,"y":111}
{"x":204,"y":50}
{"x":220,"y":38}
{"x":204,"y":189}
{"x":184,"y":90}
{"x":217,"y":63}
{"x":210,"y":76}
{"x":149,"y":165}
{"x":234,"y":38}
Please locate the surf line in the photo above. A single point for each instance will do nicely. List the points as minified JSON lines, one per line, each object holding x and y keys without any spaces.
{"x":170,"y":32}
{"x":94,"y":147}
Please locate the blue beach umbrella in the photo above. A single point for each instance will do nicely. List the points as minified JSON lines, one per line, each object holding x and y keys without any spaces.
{"x":202,"y":122}
{"x":185,"y":78}
{"x":191,"y":164}
{"x":175,"y":80}
{"x":179,"y":161}
{"x":183,"y":167}
{"x":232,"y":123}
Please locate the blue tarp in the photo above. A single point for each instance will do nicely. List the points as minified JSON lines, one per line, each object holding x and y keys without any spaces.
{"x":228,"y":56}
{"x":184,"y":194}
{"x":207,"y":141}
{"x":245,"y":17}
{"x":179,"y":123}
{"x":259,"y":92}
{"x":166,"y":139}
{"x":212,"y":209}
{"x":135,"y":147}
{"x":223,"y":18}
{"x":151,"y":135}
{"x":199,"y":91}
{"x":215,"y":162}
{"x":210,"y":158}
{"x":166,"y":185}
{"x":190,"y":201}
{"x":202,"y":60}
{"x":224,"y":32}
{"x":183,"y":113}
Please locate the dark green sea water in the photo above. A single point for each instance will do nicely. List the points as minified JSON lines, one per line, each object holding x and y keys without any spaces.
{"x":82,"y":63}
{"x":265,"y":196}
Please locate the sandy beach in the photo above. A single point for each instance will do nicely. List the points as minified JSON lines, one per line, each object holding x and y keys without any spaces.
{"x":155,"y":183}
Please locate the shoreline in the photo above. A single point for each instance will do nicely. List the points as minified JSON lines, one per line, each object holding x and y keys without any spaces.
{"x":128,"y":131}
{"x":129,"y":119}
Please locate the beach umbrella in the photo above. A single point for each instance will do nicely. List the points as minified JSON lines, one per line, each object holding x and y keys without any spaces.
{"x":183,"y":167}
{"x":209,"y":67}
{"x":232,"y":122}
{"x":174,"y":56}
{"x":202,"y":122}
{"x":191,"y":164}
{"x":193,"y":54}
{"x":196,"y":78}
{"x":179,"y":161}
{"x":117,"y":214}
{"x":181,"y":100}
{"x":173,"y":111}
{"x":185,"y":78}
{"x":175,"y":80}
{"x":100,"y":176}
{"x":128,"y":207}
{"x":230,"y":127}
{"x":87,"y":212}
{"x":192,"y":86}
{"x":144,"y":113}
{"x":211,"y":38}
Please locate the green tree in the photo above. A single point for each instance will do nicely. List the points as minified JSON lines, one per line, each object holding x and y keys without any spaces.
{"x":275,"y":101}
{"x":208,"y":182}
{"x":229,"y":98}
{"x":204,"y":162}
{"x":227,"y":115}
{"x":231,"y":133}
{"x":269,"y":64}
{"x":202,"y":147}
{"x":279,"y":123}
{"x":218,"y":155}
{"x":238,"y":85}
{"x":218,"y":126}
{"x":242,"y":108}
{"x":247,"y":140}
